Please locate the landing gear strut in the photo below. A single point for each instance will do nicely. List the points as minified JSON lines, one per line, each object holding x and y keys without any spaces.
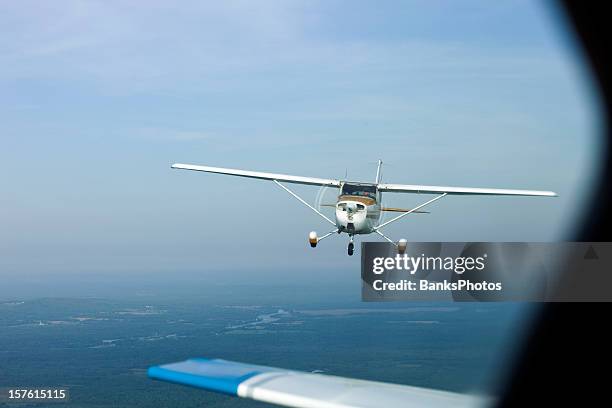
{"x":351,"y":247}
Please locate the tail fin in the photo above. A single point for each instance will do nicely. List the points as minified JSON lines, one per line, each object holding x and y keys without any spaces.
{"x":378,"y":172}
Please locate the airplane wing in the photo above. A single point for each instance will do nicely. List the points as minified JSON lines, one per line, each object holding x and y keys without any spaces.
{"x":260,"y":175}
{"x":303,"y":390}
{"x":408,"y":188}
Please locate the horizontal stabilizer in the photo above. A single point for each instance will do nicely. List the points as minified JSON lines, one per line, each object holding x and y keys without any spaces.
{"x":390,"y":209}
{"x":301,"y":389}
{"x":403,"y":210}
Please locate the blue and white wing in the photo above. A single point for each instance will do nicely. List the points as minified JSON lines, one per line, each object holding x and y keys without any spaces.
{"x":301,"y":389}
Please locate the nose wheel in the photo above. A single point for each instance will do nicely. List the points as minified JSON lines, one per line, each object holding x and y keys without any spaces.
{"x":351,"y":247}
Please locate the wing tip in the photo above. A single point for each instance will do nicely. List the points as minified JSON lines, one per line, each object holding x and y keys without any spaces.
{"x":152,"y":372}
{"x":215,"y":375}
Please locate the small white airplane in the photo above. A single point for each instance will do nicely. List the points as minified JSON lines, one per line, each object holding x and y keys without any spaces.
{"x":358,"y":207}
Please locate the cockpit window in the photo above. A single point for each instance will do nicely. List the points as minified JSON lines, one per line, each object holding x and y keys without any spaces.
{"x":359,"y":190}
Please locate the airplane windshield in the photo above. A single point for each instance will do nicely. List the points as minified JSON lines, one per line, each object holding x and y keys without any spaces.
{"x":359,"y":190}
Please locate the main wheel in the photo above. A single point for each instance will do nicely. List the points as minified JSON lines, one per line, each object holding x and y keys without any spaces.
{"x":401,"y":246}
{"x":351,"y":248}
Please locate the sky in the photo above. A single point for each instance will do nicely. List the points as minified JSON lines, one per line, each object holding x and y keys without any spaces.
{"x":98,"y":99}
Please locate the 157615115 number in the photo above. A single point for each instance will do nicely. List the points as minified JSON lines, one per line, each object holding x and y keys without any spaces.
{"x":34,"y":394}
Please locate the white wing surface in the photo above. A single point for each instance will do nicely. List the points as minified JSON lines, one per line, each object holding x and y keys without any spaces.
{"x":409,"y":188}
{"x":260,"y":175}
{"x":303,"y":390}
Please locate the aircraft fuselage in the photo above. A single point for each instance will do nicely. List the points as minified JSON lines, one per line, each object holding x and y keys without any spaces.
{"x":358,"y":208}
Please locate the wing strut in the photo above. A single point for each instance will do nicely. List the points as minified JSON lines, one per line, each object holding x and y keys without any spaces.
{"x":327,"y":235}
{"x":385,"y":237}
{"x":411,"y":211}
{"x":305,"y":203}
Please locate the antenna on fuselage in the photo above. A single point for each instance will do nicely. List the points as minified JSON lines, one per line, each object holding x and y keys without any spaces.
{"x":378,"y":172}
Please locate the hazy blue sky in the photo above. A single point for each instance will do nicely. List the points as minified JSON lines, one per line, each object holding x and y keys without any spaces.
{"x":99,"y":98}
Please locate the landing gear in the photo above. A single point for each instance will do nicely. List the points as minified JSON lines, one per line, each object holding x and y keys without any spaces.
{"x":351,"y":247}
{"x":313,"y":239}
{"x":401,"y":246}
